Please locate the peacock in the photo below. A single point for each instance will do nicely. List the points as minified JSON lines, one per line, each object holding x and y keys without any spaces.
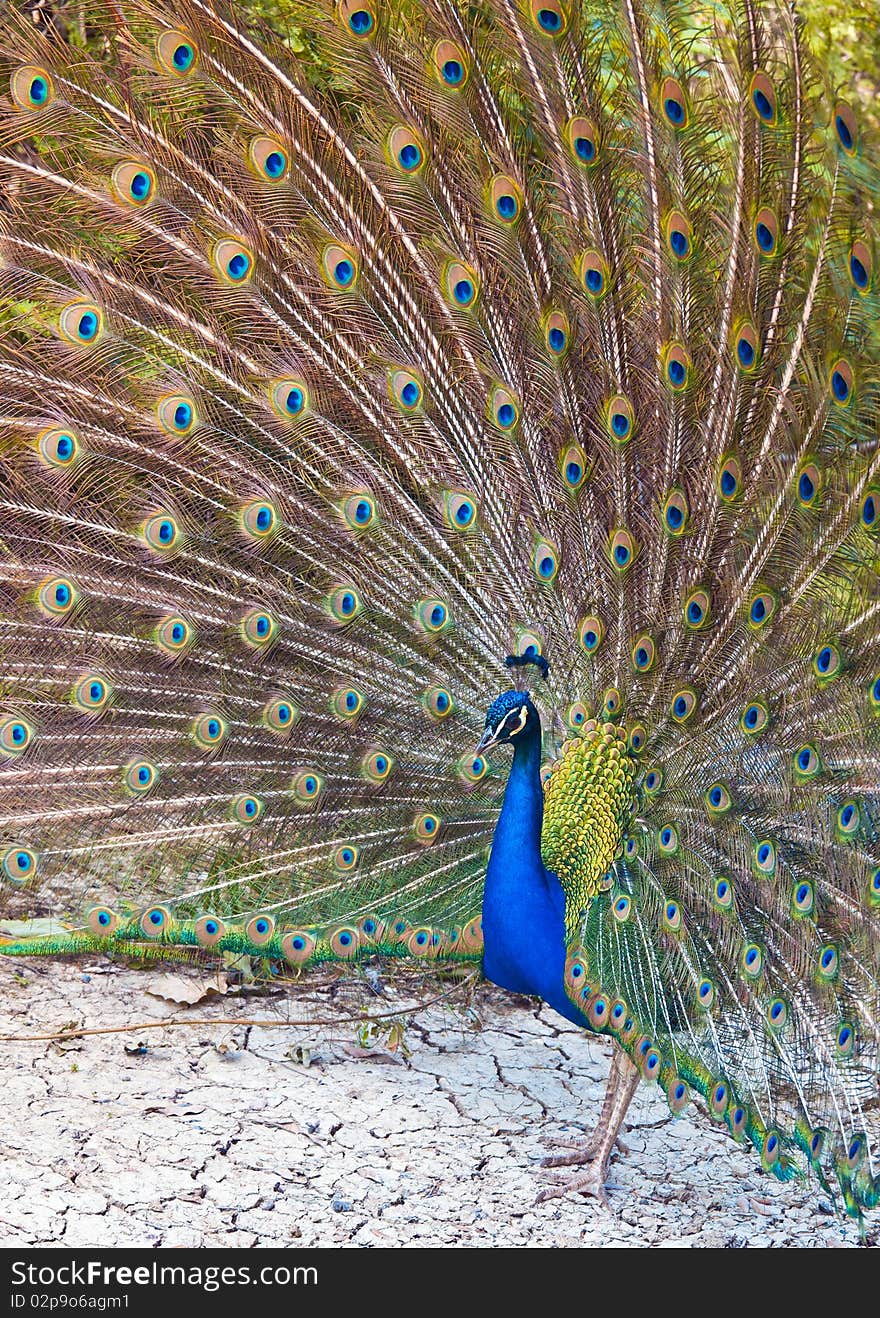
{"x":454,"y":375}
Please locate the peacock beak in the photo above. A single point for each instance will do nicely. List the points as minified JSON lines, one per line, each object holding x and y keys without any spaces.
{"x":488,"y":739}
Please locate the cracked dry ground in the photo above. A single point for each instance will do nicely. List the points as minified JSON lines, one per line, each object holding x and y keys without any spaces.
{"x":221,"y":1134}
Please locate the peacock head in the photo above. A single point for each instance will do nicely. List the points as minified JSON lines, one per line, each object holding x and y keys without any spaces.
{"x":509,"y":718}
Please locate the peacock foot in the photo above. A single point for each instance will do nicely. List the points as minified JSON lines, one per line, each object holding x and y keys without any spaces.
{"x":579,"y":1151}
{"x":590,"y":1182}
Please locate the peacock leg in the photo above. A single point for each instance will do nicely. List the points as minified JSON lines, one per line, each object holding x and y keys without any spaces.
{"x":623,"y":1081}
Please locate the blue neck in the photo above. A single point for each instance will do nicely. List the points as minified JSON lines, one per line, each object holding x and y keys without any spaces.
{"x":523,"y":904}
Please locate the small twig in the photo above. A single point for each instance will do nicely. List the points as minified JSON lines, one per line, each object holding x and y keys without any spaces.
{"x":243,"y":1020}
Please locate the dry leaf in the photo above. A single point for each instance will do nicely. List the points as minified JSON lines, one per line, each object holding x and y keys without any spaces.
{"x":186,"y":989}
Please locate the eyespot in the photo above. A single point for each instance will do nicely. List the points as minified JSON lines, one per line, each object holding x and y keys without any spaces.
{"x":827,"y":662}
{"x":848,"y":819}
{"x":844,"y":1039}
{"x":679,"y":237}
{"x":678,"y":1095}
{"x":667,"y":839}
{"x":102,"y":921}
{"x":770,"y":1150}
{"x":450,"y":65}
{"x":297,"y":945}
{"x":674,"y":103}
{"x":173,"y":635}
{"x":246,"y":809}
{"x":357,"y":17}
{"x":873,"y":887}
{"x":359,"y":511}
{"x":672,"y":917}
{"x":718,"y":800}
{"x":557,"y":334}
{"x":762,"y":98}
{"x":306,"y":786}
{"x":176,"y":414}
{"x":344,"y":942}
{"x":575,"y":973}
{"x":617,"y":1014}
{"x":592,"y":271}
{"x":636,"y":739}
{"x":722,"y":894}
{"x":766,"y":232}
{"x":258,"y":628}
{"x":803,"y":898}
{"x":591,"y":633}
{"x":459,"y":510}
{"x":527,"y":643}
{"x":643,"y":654}
{"x":583,"y":140}
{"x":371,"y":930}
{"x":32,"y":87}
{"x":209,"y":731}
{"x":545,"y":562}
{"x":683,"y":704}
{"x":619,"y":419}
{"x":808,"y":484}
{"x":258,"y":519}
{"x":426,"y":828}
{"x":268,"y":159}
{"x":405,"y":149}
{"x":58,"y":448}
{"x":460,"y":285}
{"x":432,"y":616}
{"x":133,"y":183}
{"x":846,"y":127}
{"x":503,"y":408}
{"x":472,"y":768}
{"x":260,"y":929}
{"x":340,"y":267}
{"x":92,"y":694}
{"x":746,"y":347}
{"x":289,"y":398}
{"x":19,"y":865}
{"x":729,"y":478}
{"x":752,"y":960}
{"x":573,"y":467}
{"x":208,"y":930}
{"x":505,"y":199}
{"x":438,"y":702}
{"x":653,"y":780}
{"x":612,"y":702}
{"x":156,"y":922}
{"x":576,"y":715}
{"x":764,"y":858}
{"x":754,"y":718}
{"x":176,"y":52}
{"x":81,"y":322}
{"x":676,"y":367}
{"x":828,"y":963}
{"x":348,"y":703}
{"x":57,"y":597}
{"x":868,"y":514}
{"x":648,"y":1059}
{"x":140,"y":777}
{"x":697,"y":610}
{"x":549,"y":17}
{"x":818,"y":1140}
{"x":405,"y":390}
{"x":762,"y":606}
{"x":16,"y":734}
{"x":376,"y":766}
{"x":344,"y":604}
{"x":860,"y":266}
{"x":161,"y":532}
{"x":621,"y":550}
{"x":233,"y":261}
{"x":777,"y":1014}
{"x":840,"y":382}
{"x":280,"y":714}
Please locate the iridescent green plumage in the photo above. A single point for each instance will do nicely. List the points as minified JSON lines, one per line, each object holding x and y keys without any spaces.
{"x":332,"y":377}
